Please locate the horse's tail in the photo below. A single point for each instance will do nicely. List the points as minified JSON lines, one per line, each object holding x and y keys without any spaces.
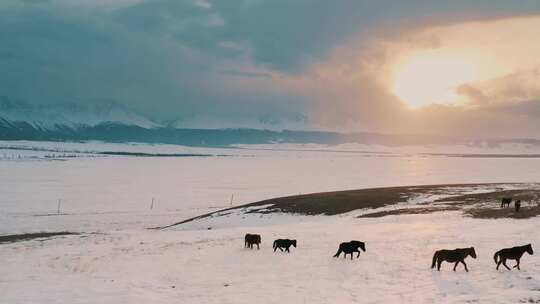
{"x":338,"y":252}
{"x":495,"y":256}
{"x":275,"y":244}
{"x":434,"y":261}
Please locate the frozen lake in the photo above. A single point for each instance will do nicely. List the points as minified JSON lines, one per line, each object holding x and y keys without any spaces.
{"x":98,"y":193}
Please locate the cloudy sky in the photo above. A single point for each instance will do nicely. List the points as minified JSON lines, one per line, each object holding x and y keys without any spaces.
{"x":458,"y":67}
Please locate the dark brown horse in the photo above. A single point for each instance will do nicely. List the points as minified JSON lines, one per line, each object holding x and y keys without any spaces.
{"x":456,"y":256}
{"x":350,"y":248}
{"x":505,"y":202}
{"x":517,"y":205}
{"x":251,"y":239}
{"x":514,"y":253}
{"x":284,"y":244}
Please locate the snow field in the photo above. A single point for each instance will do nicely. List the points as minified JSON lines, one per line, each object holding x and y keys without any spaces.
{"x":211,"y":266}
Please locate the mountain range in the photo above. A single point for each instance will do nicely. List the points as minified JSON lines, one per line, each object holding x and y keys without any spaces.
{"x":112,"y":122}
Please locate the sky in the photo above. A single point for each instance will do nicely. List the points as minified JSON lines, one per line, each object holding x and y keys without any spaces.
{"x":459,"y":68}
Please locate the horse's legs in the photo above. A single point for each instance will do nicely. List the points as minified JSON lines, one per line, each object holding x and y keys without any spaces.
{"x":287,"y":249}
{"x":499,"y":264}
{"x":358,"y":255}
{"x":439,"y":262}
{"x":504,"y":263}
{"x":466,"y":269}
{"x":280,"y":249}
{"x":258,"y":246}
{"x":455,"y":265}
{"x":517,"y":265}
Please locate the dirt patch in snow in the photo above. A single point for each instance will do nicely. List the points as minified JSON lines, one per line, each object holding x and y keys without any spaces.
{"x":494,"y":198}
{"x":494,"y":213}
{"x":487,"y":205}
{"x":11,"y":238}
{"x":339,"y":202}
{"x":477,"y":205}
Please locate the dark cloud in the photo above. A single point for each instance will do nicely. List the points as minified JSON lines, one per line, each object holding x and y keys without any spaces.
{"x":216,"y":63}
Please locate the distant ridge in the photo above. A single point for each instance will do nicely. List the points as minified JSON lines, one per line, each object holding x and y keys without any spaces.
{"x":112,"y":122}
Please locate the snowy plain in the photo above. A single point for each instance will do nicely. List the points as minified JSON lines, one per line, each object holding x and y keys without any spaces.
{"x":212,"y":266}
{"x":118,"y":260}
{"x":102,"y":193}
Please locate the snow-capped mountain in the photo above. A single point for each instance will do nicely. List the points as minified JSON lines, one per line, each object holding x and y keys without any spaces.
{"x":70,"y":116}
{"x":112,"y":122}
{"x":116,"y":123}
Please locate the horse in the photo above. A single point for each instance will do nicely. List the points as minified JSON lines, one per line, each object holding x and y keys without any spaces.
{"x":517,"y":205}
{"x":514,"y":253}
{"x":350,"y":248}
{"x":251,"y":239}
{"x":505,"y":202}
{"x":456,"y":256}
{"x":284,"y":243}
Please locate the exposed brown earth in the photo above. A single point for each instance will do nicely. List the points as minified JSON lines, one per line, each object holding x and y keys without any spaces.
{"x":339,"y":202}
{"x":495,"y":213}
{"x":494,"y":198}
{"x":480,"y":205}
{"x":30,"y":236}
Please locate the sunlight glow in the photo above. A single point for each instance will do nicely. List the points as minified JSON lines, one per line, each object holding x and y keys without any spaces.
{"x":431,"y":77}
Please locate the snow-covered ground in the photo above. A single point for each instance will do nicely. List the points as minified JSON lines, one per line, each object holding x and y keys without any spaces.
{"x":116,"y":192}
{"x":211,"y":266}
{"x":118,"y":260}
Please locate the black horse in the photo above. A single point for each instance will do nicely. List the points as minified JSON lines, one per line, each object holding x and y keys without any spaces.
{"x":350,"y":248}
{"x":456,"y":256}
{"x":505,"y":202}
{"x":517,"y":205}
{"x":251,"y":239}
{"x":284,"y":244}
{"x":514,"y":253}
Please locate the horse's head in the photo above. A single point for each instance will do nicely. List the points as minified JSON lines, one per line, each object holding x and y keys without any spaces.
{"x":362,"y":246}
{"x":472,"y":252}
{"x":294,"y":243}
{"x":529,"y":249}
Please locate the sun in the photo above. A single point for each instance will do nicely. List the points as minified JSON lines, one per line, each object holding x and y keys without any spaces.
{"x":431,"y":77}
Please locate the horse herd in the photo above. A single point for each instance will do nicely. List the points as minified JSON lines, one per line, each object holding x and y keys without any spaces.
{"x":506,"y":201}
{"x":455,"y":256}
